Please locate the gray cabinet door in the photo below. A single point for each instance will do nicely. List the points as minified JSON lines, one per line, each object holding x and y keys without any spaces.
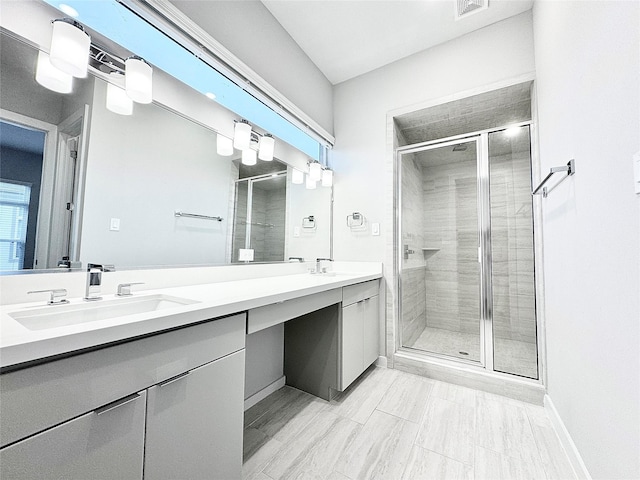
{"x":107,"y":443}
{"x":352,"y":348}
{"x":371,"y":330}
{"x":195,"y":423}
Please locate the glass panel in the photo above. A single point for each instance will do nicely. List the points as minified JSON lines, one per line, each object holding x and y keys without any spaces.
{"x":440,"y":270}
{"x":268,"y":218}
{"x":240,"y":219}
{"x":514,"y":316}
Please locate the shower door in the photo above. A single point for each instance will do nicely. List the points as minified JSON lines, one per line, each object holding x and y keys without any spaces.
{"x":259,"y":218}
{"x":440,"y":274}
{"x":465,"y":250}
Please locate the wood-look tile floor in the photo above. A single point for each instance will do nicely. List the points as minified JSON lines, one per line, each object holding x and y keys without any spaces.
{"x":395,"y":425}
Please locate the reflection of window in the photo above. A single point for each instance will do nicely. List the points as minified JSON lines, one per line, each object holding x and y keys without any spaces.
{"x":14,"y":215}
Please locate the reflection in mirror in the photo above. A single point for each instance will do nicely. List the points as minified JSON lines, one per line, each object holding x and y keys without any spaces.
{"x":110,"y":184}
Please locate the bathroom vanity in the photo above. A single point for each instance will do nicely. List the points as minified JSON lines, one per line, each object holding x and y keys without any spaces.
{"x":160,"y":393}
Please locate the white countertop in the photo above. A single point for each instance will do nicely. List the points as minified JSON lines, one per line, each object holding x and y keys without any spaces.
{"x":18,"y":344}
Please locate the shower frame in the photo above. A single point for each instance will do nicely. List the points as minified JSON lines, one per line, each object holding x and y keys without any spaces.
{"x":250,"y":182}
{"x":481,"y":138}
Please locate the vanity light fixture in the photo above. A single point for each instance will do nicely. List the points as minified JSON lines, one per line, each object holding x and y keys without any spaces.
{"x":242,"y":135}
{"x":51,"y":77}
{"x":310,"y":183}
{"x":266,"y":147}
{"x":70,"y":47}
{"x":327,"y":177}
{"x":249,"y":156}
{"x":315,"y":171}
{"x":224,"y":146}
{"x":68,"y":9}
{"x":117,"y":99}
{"x":297,"y":177}
{"x":138,"y":79}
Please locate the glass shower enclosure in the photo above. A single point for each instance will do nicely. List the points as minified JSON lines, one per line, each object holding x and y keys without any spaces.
{"x":466,"y":256}
{"x":259,"y":217}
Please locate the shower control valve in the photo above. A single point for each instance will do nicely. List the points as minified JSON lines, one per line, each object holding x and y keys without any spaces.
{"x":407,"y":251}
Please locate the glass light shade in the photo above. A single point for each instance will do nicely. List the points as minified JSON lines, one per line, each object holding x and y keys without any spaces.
{"x":327,"y":178}
{"x":311,"y":183}
{"x":138,"y":80}
{"x":117,"y":99}
{"x":242,"y":135}
{"x":249,"y":156}
{"x":68,"y":9}
{"x":297,"y":177}
{"x":224,"y":146}
{"x":70,"y":48}
{"x":50,"y":77}
{"x":315,"y":171}
{"x":267,"y":147}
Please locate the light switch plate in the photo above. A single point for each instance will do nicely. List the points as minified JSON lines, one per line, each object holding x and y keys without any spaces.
{"x":375,"y":229}
{"x":245,"y":255}
{"x":114,"y":225}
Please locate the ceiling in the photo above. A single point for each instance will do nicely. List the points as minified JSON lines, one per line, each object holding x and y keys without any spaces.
{"x":347,"y":38}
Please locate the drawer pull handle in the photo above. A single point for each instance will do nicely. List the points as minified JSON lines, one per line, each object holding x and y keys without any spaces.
{"x":173,"y":379}
{"x":118,"y":403}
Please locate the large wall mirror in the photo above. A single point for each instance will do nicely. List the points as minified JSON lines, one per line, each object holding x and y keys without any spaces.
{"x":83,"y":184}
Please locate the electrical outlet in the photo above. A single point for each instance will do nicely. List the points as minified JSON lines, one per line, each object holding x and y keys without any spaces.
{"x":375,"y":229}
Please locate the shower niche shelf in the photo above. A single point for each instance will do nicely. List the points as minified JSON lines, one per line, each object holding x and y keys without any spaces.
{"x":428,"y":251}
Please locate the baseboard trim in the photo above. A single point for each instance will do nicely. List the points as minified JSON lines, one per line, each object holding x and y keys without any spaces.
{"x":264,"y":393}
{"x":570,"y":448}
{"x":381,"y":362}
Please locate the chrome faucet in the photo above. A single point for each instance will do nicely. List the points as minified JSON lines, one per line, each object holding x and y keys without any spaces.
{"x":94,"y":280}
{"x":56,"y":295}
{"x":319,"y":264}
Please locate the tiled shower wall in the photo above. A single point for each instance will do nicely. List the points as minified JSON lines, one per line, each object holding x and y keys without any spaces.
{"x":268,"y":207}
{"x":451,"y":225}
{"x":512,"y":248}
{"x":414,"y":318}
{"x":275,"y":214}
{"x":441,"y":288}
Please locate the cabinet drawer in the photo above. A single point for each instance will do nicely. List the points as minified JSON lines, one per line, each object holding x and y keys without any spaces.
{"x":270,"y":315}
{"x":104,"y":445}
{"x":359,"y":291}
{"x":194,"y":424}
{"x":42,"y":396}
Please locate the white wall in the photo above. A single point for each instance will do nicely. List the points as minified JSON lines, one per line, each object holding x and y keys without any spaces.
{"x":311,"y":243}
{"x":360,"y":158}
{"x":587,"y":59}
{"x":363,"y":157}
{"x":249,"y":31}
{"x":140,"y":169}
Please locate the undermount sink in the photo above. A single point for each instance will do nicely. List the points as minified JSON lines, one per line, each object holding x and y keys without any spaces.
{"x":55,"y":316}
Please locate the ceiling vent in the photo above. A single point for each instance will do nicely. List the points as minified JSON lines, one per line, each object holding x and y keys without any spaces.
{"x":465,"y":8}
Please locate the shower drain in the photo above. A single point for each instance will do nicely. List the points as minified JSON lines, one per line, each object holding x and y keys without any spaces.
{"x":463,"y":353}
